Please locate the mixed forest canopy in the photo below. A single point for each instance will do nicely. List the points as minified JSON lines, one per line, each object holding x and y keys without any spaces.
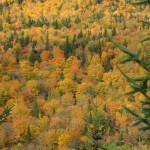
{"x":61,"y":87}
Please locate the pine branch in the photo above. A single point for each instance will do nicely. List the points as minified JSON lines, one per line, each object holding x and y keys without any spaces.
{"x":146,"y":39}
{"x":133,"y":55}
{"x":133,"y":84}
{"x":136,"y":123}
{"x":145,"y":128}
{"x":125,"y":50}
{"x":5,"y":114}
{"x":128,"y":59}
{"x":131,"y":92}
{"x":144,"y":120}
{"x":141,"y":2}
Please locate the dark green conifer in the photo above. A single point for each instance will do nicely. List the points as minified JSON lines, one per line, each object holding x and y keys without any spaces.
{"x":20,"y":1}
{"x":35,"y":109}
{"x":80,"y":35}
{"x":28,"y":136}
{"x":47,"y":41}
{"x":105,"y":32}
{"x":1,"y":9}
{"x":125,"y":43}
{"x":114,"y":32}
{"x":1,"y":25}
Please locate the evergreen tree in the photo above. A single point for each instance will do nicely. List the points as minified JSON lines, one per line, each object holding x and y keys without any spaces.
{"x":34,"y":43}
{"x":39,"y":23}
{"x":83,"y":58}
{"x":66,"y":47}
{"x":125,"y":43}
{"x":105,"y":32}
{"x":99,"y":1}
{"x":61,"y":76}
{"x":26,"y":40}
{"x":1,"y":25}
{"x":80,"y":35}
{"x":99,"y":47}
{"x":30,"y":22}
{"x":47,"y":41}
{"x":106,"y":65}
{"x":22,"y":39}
{"x":1,"y":9}
{"x":76,"y":7}
{"x":20,"y":1}
{"x":28,"y":136}
{"x":124,"y":24}
{"x":77,"y":20}
{"x":35,"y":109}
{"x":114,"y":32}
{"x":8,"y":19}
{"x":139,"y":84}
{"x":32,"y":57}
{"x":55,"y":24}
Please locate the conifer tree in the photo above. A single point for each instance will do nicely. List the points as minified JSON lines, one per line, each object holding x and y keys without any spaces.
{"x":28,"y":136}
{"x":139,"y":84}
{"x":107,"y":65}
{"x":76,"y":7}
{"x":26,"y":40}
{"x":47,"y":41}
{"x":1,"y":25}
{"x":1,"y":9}
{"x":55,"y":24}
{"x":20,"y":1}
{"x":77,"y":20}
{"x":125,"y":43}
{"x":80,"y":35}
{"x":62,"y":76}
{"x":105,"y":32}
{"x":67,"y":47}
{"x":114,"y":32}
{"x":22,"y":39}
{"x":8,"y":19}
{"x":30,"y":22}
{"x":35,"y":110}
{"x":98,"y":1}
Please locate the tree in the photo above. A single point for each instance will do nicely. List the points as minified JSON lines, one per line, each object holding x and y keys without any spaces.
{"x":66,"y":47}
{"x":114,"y":32}
{"x":1,"y":9}
{"x":106,"y":65}
{"x":55,"y":24}
{"x":34,"y":56}
{"x":45,"y":55}
{"x":98,"y":1}
{"x":20,"y":1}
{"x":47,"y":41}
{"x":4,"y":96}
{"x":28,"y":136}
{"x":105,"y":34}
{"x":35,"y":110}
{"x":1,"y":25}
{"x":139,"y":84}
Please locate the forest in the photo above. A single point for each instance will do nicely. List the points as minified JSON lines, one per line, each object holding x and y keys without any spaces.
{"x":74,"y":74}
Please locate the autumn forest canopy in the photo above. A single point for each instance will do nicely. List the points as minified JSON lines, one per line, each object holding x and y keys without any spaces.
{"x":74,"y":74}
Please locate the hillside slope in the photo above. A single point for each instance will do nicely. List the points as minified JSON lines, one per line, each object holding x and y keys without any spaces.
{"x":58,"y":71}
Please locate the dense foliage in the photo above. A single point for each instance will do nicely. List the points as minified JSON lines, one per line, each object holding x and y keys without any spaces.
{"x":60,"y":87}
